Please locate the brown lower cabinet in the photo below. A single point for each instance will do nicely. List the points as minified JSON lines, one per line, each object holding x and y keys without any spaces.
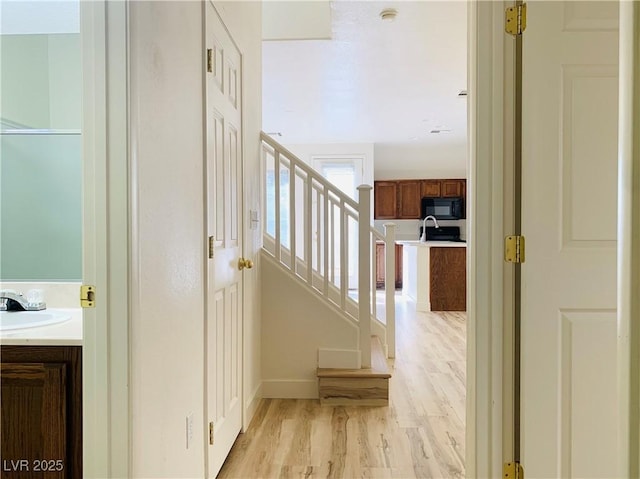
{"x":380,"y":248}
{"x":448,"y":279}
{"x":41,"y":411}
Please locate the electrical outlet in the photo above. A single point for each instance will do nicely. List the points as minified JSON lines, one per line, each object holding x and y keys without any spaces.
{"x":189,"y":430}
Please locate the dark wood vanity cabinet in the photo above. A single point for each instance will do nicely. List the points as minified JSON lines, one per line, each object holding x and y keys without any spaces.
{"x":41,"y":411}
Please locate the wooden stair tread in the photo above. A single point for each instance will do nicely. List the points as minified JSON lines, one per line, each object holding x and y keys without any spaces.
{"x":378,"y":369}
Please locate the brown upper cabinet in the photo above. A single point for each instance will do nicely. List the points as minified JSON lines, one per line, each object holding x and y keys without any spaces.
{"x":431,"y":188}
{"x":452,"y":188}
{"x":385,"y":199}
{"x":400,"y":199}
{"x":408,"y":199}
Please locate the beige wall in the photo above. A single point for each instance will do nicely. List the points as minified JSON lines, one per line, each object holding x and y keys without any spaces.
{"x":296,"y":323}
{"x":167,"y":367}
{"x":167,"y":346}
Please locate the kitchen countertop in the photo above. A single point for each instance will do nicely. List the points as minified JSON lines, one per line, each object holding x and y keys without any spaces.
{"x":429,"y":244}
{"x":67,"y":333}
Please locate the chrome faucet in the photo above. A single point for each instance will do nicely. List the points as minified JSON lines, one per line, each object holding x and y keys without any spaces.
{"x":12,"y":301}
{"x":423,"y":238}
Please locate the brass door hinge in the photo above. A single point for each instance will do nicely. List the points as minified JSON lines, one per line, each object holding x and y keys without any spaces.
{"x":87,"y":296}
{"x":209,"y":60}
{"x":514,"y":249}
{"x":512,"y":470}
{"x":515,"y":19}
{"x":211,"y":433}
{"x":211,"y":245}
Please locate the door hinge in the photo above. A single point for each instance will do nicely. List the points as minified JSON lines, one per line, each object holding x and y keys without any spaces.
{"x":87,"y":296}
{"x":211,"y":433}
{"x":515,"y":19}
{"x":209,"y":60}
{"x":512,"y":470}
{"x":211,"y":245}
{"x":514,"y":249}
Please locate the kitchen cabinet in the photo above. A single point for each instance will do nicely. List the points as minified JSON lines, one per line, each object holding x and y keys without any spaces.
{"x":452,"y":188}
{"x":400,"y":199}
{"x":448,"y":279}
{"x":430,"y":188}
{"x":41,"y":409}
{"x":380,"y":264}
{"x":385,"y":199}
{"x":409,"y":195}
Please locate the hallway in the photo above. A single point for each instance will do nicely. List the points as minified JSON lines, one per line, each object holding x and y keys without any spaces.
{"x":420,"y":435}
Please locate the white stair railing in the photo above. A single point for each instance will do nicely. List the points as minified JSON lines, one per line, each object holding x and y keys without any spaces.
{"x":324,"y":238}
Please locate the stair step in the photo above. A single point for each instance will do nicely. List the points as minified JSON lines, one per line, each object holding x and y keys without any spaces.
{"x":363,"y":387}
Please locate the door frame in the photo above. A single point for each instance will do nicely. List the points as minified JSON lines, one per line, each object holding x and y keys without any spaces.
{"x":629,"y":240}
{"x":106,"y":239}
{"x":490,"y":429}
{"x":488,"y":434}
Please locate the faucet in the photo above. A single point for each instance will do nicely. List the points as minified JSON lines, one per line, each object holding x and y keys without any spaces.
{"x":423,"y":238}
{"x":12,"y":301}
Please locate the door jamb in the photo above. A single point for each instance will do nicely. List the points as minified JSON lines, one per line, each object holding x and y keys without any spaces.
{"x":629,"y":241}
{"x":489,"y":431}
{"x":105,"y":356}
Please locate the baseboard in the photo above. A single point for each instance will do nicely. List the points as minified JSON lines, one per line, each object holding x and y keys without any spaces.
{"x":290,"y":389}
{"x":251,"y":406}
{"x":339,"y":358}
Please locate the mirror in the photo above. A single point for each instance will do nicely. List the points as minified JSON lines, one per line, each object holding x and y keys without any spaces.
{"x":40,"y":142}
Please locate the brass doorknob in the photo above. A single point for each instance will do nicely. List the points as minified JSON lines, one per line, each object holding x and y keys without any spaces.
{"x":244,"y":263}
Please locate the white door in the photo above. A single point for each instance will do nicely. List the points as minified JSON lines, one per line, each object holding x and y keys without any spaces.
{"x":570,"y":69}
{"x":224,"y":295}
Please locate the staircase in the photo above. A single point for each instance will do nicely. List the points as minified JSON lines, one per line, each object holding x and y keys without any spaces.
{"x":323,"y":240}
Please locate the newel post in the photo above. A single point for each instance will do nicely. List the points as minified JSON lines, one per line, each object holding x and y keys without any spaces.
{"x":390,"y":286}
{"x":364,"y":273}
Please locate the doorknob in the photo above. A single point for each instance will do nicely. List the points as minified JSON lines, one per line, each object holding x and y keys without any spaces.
{"x":244,"y":263}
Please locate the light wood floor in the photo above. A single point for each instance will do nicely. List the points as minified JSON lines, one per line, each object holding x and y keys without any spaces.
{"x":420,"y":435}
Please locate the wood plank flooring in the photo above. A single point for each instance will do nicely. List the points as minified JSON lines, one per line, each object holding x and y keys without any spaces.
{"x":420,"y":434}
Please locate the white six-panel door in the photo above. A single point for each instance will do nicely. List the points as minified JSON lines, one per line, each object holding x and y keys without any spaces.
{"x":570,"y":82}
{"x":224,"y":222}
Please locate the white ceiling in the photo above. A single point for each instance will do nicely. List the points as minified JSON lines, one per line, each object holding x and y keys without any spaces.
{"x":374,"y":81}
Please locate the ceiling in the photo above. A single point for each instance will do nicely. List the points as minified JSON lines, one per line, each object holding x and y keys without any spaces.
{"x":374,"y":81}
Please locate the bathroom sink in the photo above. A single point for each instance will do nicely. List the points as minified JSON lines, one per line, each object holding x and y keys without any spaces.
{"x":30,"y":319}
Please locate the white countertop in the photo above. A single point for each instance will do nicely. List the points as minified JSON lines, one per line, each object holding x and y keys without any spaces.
{"x":67,"y":333}
{"x":429,"y":244}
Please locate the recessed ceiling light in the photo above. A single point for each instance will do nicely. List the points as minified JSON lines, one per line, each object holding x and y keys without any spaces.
{"x":440,"y":131}
{"x":462,"y":93}
{"x":389,"y":14}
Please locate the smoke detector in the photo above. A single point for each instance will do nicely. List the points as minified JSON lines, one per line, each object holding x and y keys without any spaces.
{"x":388,"y":14}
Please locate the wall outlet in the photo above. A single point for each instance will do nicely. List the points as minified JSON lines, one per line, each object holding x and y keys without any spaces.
{"x":189,"y":430}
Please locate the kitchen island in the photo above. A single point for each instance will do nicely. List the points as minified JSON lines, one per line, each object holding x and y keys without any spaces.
{"x":434,"y":275}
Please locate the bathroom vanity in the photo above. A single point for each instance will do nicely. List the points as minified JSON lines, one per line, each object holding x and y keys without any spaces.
{"x":41,"y":403}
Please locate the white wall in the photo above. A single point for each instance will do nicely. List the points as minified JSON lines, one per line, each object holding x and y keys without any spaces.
{"x":244,"y":19}
{"x":167,"y":345}
{"x":167,"y":361}
{"x":409,"y":161}
{"x":296,"y":323}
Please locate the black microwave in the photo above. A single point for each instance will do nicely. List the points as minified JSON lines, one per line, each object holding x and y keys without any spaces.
{"x":443,"y":208}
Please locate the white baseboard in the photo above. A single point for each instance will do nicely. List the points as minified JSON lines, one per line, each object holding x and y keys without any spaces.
{"x":251,"y":406}
{"x":339,"y":358}
{"x":290,"y":389}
